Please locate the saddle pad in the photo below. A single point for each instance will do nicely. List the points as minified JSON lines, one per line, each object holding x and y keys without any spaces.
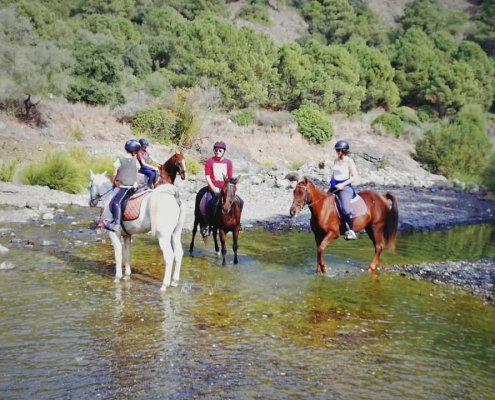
{"x":358,"y":206}
{"x":133,"y":206}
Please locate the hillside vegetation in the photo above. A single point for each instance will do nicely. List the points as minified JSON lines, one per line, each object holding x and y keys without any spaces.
{"x":162,"y":64}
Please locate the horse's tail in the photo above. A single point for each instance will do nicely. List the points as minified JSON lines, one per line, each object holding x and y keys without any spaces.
{"x":391,"y":223}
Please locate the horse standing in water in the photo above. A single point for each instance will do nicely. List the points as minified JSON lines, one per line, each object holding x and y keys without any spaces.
{"x":226,"y":217}
{"x":160,"y":211}
{"x":380,"y":220}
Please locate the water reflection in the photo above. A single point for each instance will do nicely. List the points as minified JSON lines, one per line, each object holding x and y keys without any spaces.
{"x":266,"y":328}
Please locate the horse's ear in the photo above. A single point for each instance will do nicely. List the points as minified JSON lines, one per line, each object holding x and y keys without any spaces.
{"x":91,"y":174}
{"x":235,"y":180}
{"x":225,"y":179}
{"x":178,"y":152}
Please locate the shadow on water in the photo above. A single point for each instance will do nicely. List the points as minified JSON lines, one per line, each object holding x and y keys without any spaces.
{"x":265,"y":328}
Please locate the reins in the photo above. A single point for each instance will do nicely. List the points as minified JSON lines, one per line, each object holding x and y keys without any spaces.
{"x":98,"y":196}
{"x":305,"y":201}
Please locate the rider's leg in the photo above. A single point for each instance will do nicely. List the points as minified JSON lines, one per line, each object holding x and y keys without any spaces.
{"x":345,"y":196}
{"x":116,"y":210}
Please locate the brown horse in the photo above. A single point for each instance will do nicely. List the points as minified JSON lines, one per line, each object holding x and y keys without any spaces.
{"x":226,"y":217}
{"x":168,"y":171}
{"x":380,"y":220}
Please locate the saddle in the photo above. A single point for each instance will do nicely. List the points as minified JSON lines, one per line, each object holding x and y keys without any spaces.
{"x":358,"y":206}
{"x":130,"y":209}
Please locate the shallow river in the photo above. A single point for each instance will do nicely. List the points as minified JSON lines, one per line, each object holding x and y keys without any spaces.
{"x":266,"y":328}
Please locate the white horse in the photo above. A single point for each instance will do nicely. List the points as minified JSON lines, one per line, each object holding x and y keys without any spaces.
{"x":160,"y":213}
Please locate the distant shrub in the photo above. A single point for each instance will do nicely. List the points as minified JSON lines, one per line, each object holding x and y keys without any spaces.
{"x":156,"y":83}
{"x":58,"y":172}
{"x":244,"y":117}
{"x":425,"y":113}
{"x":76,"y":133}
{"x":295,"y":165}
{"x":313,"y":124}
{"x":255,"y":11}
{"x":193,"y":166}
{"x":407,"y":115}
{"x":156,"y":123}
{"x":7,"y":170}
{"x":457,"y":149}
{"x":488,"y":175}
{"x":391,"y":123}
{"x":67,"y":171}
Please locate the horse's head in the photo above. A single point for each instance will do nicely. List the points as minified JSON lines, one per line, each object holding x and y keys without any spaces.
{"x":228,"y":193}
{"x":173,"y":166}
{"x":300,"y":196}
{"x":99,"y":187}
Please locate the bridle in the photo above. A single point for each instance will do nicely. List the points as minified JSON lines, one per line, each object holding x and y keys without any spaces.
{"x":93,"y":201}
{"x":231,"y":194}
{"x":178,"y":164}
{"x":305,"y":201}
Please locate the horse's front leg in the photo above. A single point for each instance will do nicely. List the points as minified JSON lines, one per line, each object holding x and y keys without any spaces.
{"x":223,"y":238}
{"x":127,"y":256}
{"x":117,"y":250}
{"x":217,"y":249}
{"x":234,"y":246}
{"x":168,"y":258}
{"x":195,"y":229}
{"x":321,"y":244}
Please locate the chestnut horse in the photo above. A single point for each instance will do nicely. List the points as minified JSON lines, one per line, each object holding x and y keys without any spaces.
{"x":168,"y":171}
{"x":226,"y":217}
{"x":380,"y":220}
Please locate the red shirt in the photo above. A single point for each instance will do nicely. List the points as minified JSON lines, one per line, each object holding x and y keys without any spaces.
{"x":215,"y":168}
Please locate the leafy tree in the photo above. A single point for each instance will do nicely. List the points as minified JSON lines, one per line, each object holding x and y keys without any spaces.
{"x":98,"y":71}
{"x":449,"y":147}
{"x":121,"y":29}
{"x":483,"y":31}
{"x":334,"y":78}
{"x":488,"y":175}
{"x":294,"y":69}
{"x":425,"y":15}
{"x":29,"y":66}
{"x":375,"y":76}
{"x":120,"y":8}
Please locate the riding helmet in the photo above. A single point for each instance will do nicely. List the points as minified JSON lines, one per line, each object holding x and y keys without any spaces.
{"x":132,"y":146}
{"x":144,"y":143}
{"x":220,"y":145}
{"x":341,"y":145}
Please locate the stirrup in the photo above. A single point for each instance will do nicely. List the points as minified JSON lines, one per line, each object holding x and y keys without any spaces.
{"x":350,"y":235}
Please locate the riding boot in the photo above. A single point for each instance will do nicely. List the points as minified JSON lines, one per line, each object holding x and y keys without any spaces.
{"x":112,"y":226}
{"x":349,"y":234}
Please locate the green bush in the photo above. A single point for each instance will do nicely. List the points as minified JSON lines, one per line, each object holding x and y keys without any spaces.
{"x":7,"y":170}
{"x":391,"y":123}
{"x":244,"y":117}
{"x":407,"y":115}
{"x":67,"y":171}
{"x":313,"y":124}
{"x":425,"y":113}
{"x":58,"y":172}
{"x":457,"y":149}
{"x":156,"y":123}
{"x":488,"y":175}
{"x":193,"y":165}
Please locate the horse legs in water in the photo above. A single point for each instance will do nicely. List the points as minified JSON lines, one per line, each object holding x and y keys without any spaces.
{"x":195,"y":229}
{"x":375,"y":233}
{"x":127,"y":256}
{"x":321,"y":244}
{"x":171,"y":246}
{"x":235,"y":246}
{"x":117,"y":249}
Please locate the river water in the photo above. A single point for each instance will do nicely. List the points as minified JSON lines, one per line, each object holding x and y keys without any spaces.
{"x":266,"y":328}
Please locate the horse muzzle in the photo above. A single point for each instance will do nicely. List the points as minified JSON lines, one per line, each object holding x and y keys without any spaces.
{"x":294,"y":210}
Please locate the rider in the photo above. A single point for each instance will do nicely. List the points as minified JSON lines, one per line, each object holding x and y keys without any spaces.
{"x":145,"y":159}
{"x":343,"y":175}
{"x":126,"y":179}
{"x":215,"y":169}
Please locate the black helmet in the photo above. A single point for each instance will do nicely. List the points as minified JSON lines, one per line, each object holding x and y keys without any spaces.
{"x":220,"y":145}
{"x":144,"y":143}
{"x":132,"y":146}
{"x":342,"y":145}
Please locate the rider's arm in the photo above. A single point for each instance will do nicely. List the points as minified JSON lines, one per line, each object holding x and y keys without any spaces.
{"x":211,"y":185}
{"x":353,"y":174}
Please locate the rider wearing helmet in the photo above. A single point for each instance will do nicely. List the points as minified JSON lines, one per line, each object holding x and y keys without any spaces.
{"x":343,"y":175}
{"x":125,"y":178}
{"x":215,"y":168}
{"x":144,"y":158}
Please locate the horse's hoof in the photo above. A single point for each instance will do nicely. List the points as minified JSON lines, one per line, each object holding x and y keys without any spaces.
{"x":117,"y":280}
{"x":163,"y":288}
{"x":127,"y":277}
{"x":174,"y":284}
